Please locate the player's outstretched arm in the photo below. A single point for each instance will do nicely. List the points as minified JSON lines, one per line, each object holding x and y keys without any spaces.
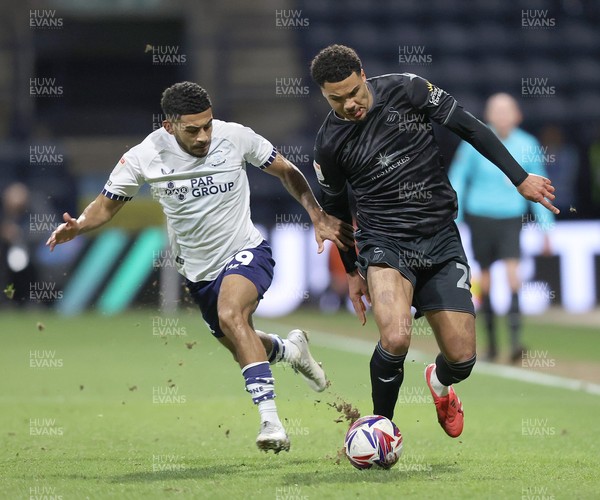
{"x":97,"y":213}
{"x":327,"y":227}
{"x":533,"y":187}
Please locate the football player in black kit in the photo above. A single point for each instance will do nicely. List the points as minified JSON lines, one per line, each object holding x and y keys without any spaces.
{"x":378,"y":140}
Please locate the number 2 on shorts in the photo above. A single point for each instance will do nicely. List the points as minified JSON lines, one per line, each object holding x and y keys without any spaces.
{"x":462,"y":282}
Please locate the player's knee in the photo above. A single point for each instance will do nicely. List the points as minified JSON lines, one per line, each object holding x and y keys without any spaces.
{"x":230,"y":320}
{"x":397,"y":343}
{"x":460,"y":345}
{"x":460,"y":354}
{"x":395,"y":335}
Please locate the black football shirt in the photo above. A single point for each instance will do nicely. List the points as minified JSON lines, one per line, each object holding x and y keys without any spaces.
{"x":390,"y":160}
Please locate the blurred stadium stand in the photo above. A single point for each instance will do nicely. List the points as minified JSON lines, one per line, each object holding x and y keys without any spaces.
{"x":99,"y":55}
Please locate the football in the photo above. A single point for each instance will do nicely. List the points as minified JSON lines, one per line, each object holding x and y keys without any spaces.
{"x":373,"y":441}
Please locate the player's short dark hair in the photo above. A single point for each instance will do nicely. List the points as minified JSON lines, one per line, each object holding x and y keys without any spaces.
{"x":184,"y":98}
{"x":334,"y":64}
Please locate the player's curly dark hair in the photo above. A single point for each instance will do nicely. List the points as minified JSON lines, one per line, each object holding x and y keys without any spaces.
{"x":184,"y":98}
{"x":334,"y":64}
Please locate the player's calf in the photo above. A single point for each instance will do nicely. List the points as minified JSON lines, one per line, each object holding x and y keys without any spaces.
{"x":225,"y":342}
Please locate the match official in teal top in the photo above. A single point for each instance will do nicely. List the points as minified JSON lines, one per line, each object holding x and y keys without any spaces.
{"x":495,"y":212}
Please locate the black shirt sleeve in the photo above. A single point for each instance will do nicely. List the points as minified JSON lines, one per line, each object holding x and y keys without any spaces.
{"x":436,"y":103}
{"x":442,"y":108}
{"x":469,"y":128}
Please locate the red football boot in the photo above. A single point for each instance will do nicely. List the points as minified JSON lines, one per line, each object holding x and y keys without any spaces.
{"x":449,"y":408}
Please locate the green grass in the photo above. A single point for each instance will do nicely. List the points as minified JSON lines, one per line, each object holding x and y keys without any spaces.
{"x":109,"y":431}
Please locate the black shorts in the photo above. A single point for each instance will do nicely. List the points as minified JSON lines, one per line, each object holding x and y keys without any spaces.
{"x":494,"y":239}
{"x":436,"y":266}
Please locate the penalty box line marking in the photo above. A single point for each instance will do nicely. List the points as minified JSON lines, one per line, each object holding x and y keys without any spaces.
{"x":365,"y":347}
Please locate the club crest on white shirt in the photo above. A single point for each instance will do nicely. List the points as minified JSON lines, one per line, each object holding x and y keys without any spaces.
{"x":171,"y":190}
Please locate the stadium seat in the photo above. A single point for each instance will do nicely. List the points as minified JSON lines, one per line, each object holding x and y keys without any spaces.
{"x":451,"y":38}
{"x":584,"y":109}
{"x":501,"y":74}
{"x":458,"y":73}
{"x":490,"y":38}
{"x":586,"y":71}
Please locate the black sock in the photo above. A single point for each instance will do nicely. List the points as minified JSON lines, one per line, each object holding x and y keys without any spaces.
{"x":490,"y":324}
{"x":385,"y":366}
{"x":451,"y":373}
{"x":514,"y":322}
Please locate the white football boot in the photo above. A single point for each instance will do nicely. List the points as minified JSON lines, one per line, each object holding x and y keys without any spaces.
{"x":272,"y":436}
{"x":303,"y":363}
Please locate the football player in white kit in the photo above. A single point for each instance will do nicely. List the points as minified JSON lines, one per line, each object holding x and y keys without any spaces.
{"x":195,"y":166}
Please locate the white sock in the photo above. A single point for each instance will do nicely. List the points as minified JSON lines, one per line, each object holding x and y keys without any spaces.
{"x":268,"y":412}
{"x":439,"y":388}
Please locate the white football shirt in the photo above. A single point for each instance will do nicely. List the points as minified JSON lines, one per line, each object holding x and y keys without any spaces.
{"x":206,"y":200}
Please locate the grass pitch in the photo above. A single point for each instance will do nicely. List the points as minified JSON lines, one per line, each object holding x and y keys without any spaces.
{"x":142,"y":406}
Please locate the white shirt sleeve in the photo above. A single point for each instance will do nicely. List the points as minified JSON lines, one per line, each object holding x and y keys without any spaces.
{"x":255,"y":149}
{"x":125,"y":180}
